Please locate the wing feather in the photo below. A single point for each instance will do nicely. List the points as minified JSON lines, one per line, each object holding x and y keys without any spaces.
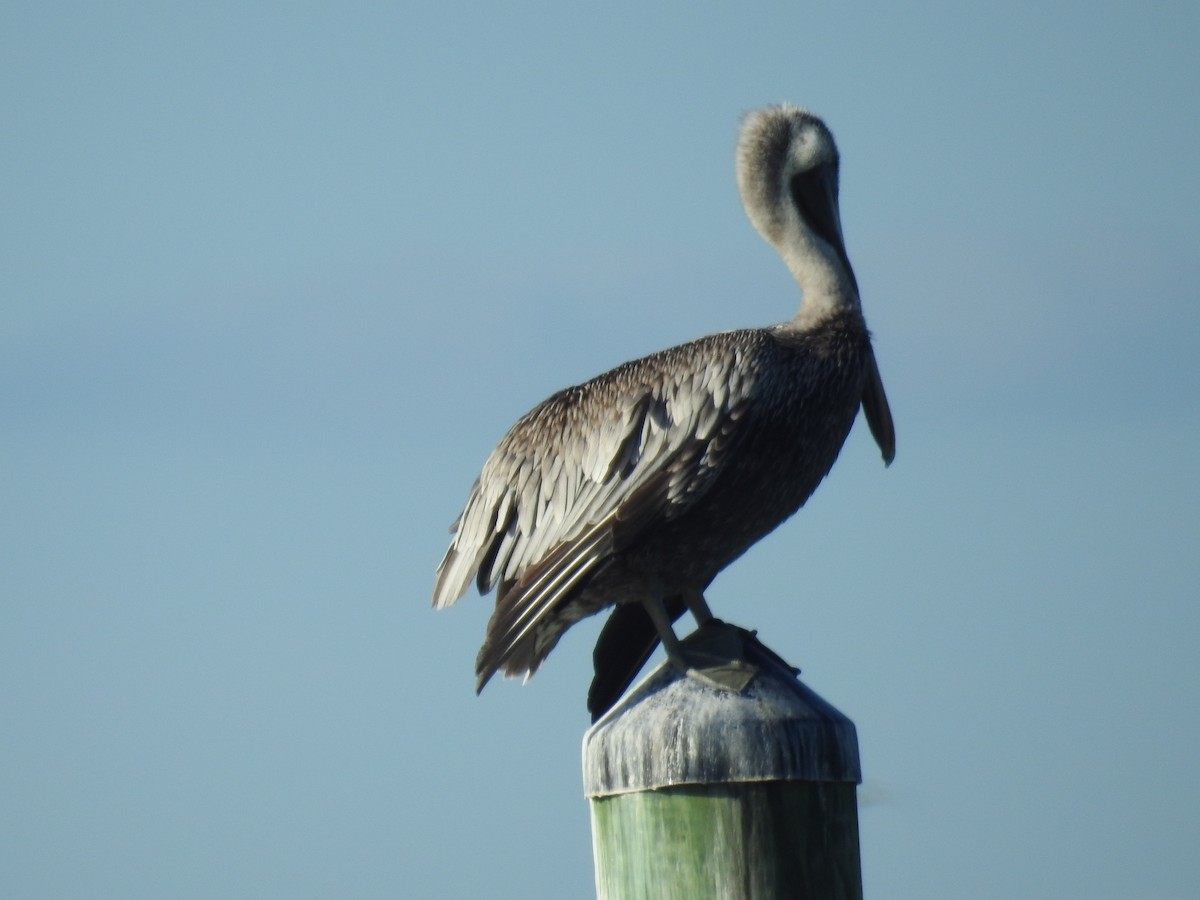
{"x":608,"y":457}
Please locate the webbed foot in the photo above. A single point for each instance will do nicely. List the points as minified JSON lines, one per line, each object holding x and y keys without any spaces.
{"x":714,"y":655}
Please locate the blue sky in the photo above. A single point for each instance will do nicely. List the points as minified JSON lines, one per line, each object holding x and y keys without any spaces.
{"x":274,"y":282}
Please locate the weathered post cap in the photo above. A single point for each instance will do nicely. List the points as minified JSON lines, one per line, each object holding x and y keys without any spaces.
{"x":673,"y":730}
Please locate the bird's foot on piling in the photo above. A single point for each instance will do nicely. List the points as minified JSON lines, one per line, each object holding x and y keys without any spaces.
{"x":714,"y":655}
{"x":733,"y":676}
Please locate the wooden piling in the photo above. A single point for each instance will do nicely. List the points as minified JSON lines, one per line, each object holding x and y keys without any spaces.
{"x":697,"y":793}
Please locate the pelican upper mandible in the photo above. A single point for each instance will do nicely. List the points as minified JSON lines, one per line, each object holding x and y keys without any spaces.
{"x":637,"y":487}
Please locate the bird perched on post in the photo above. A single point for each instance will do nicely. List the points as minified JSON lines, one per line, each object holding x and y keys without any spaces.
{"x":637,"y":487}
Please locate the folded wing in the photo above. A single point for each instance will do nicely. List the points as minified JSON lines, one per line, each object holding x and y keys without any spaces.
{"x":581,"y":477}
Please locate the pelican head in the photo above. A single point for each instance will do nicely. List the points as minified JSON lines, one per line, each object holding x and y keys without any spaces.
{"x":787,"y":173}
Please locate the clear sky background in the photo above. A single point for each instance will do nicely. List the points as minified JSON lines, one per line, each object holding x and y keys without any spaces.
{"x":274,"y":279}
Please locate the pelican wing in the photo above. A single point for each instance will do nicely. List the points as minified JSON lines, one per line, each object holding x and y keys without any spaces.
{"x":587,"y":471}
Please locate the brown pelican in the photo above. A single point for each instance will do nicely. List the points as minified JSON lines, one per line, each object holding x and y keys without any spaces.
{"x":636,"y":488}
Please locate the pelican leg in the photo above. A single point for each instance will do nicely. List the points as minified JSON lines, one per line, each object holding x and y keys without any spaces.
{"x":694,"y":600}
{"x":657,"y":610}
{"x":711,"y":656}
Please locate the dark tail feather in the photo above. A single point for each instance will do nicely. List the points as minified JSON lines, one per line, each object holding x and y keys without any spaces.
{"x":625,"y":643}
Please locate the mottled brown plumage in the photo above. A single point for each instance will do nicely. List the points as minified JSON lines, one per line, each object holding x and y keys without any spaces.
{"x":636,"y":488}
